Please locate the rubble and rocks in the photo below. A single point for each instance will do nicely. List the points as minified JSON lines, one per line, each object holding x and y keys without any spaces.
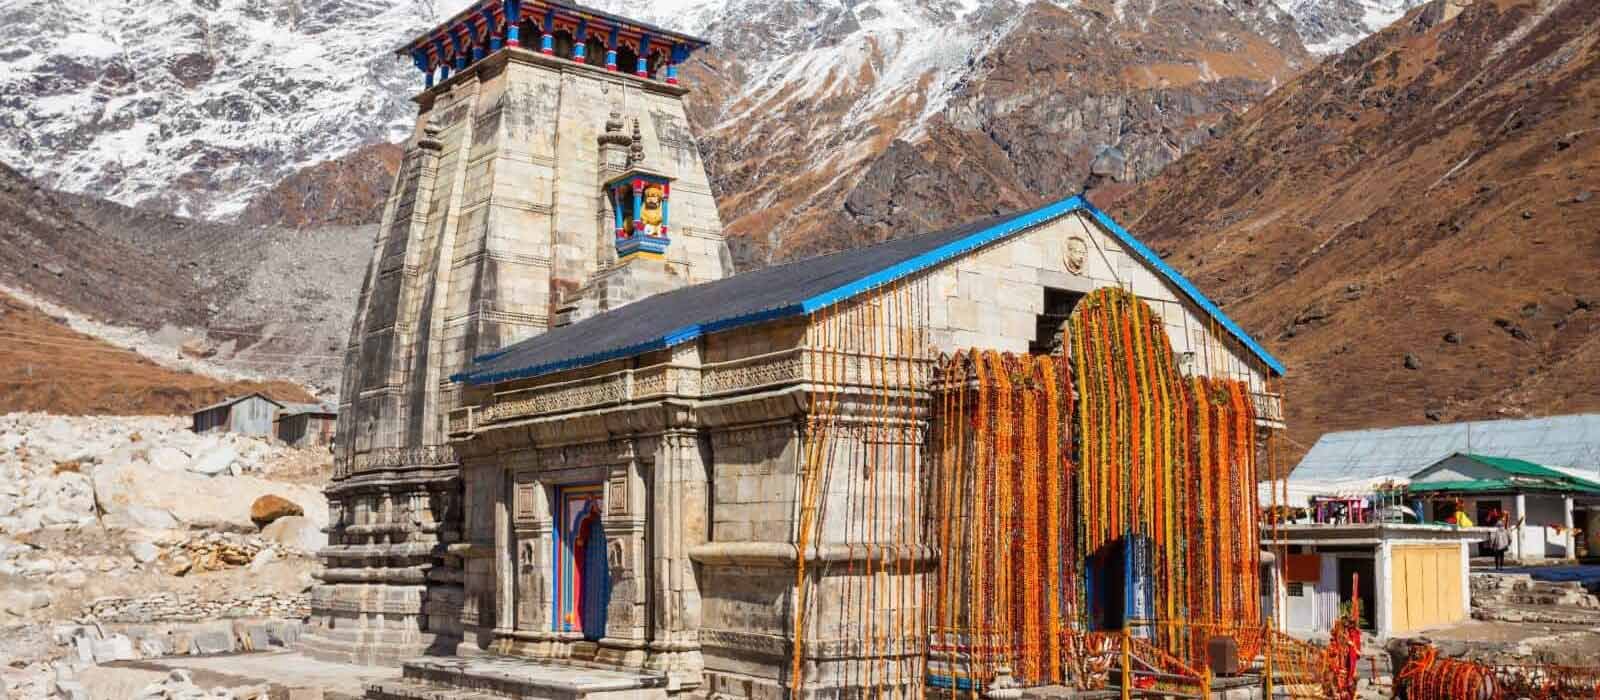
{"x":139,"y":473}
{"x":179,"y":684}
{"x":113,"y":523}
{"x":1504,"y":597}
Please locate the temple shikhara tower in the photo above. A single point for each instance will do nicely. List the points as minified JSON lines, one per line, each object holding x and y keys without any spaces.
{"x":552,"y":176}
{"x":583,"y":458}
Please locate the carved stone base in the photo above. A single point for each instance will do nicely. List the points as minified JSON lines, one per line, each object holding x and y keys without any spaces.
{"x":684,"y":669}
{"x":388,"y":591}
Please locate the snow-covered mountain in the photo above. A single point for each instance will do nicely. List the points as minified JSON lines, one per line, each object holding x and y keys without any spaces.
{"x":199,"y":106}
{"x":1331,"y":26}
{"x":192,"y":106}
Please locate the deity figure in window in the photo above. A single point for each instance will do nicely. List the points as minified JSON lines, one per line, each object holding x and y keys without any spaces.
{"x":651,"y":214}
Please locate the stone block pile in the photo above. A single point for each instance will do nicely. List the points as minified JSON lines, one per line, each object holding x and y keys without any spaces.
{"x":91,"y":645}
{"x":1506,"y":597}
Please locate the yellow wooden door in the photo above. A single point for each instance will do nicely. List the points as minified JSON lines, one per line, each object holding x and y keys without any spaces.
{"x":1425,"y":586}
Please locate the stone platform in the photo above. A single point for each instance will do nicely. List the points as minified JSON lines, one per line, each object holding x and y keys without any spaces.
{"x":500,"y":677}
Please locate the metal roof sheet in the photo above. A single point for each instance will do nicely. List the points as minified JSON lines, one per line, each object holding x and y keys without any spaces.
{"x":295,"y":409}
{"x":1570,"y":444}
{"x":793,"y":289}
{"x":237,"y":399}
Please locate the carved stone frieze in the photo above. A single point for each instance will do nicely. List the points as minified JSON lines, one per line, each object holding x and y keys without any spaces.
{"x":591,"y":454}
{"x":580,"y":394}
{"x":751,"y":374}
{"x":390,"y":457}
{"x":753,"y":435}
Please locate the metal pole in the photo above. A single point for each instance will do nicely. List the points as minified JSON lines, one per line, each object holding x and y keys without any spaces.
{"x":1127,"y":663}
{"x":1268,"y":673}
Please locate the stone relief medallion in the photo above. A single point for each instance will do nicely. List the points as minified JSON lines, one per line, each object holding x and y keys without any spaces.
{"x":1077,"y":254}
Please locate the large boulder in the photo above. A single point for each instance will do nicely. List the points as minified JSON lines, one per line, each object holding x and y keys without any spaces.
{"x":129,"y":494}
{"x":215,"y":461}
{"x":167,"y":458}
{"x":137,"y":517}
{"x":270,"y":507}
{"x":296,"y":532}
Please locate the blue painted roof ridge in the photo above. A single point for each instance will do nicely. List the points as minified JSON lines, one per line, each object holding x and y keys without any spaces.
{"x":1004,"y":227}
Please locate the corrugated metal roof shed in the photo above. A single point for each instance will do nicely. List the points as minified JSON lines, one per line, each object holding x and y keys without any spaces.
{"x":1568,"y":443}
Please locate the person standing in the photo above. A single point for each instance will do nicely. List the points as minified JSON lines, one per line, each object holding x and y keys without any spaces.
{"x":1499,"y":542}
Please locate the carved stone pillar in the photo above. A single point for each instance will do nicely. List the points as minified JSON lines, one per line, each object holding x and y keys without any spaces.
{"x":627,"y":624}
{"x":677,"y":523}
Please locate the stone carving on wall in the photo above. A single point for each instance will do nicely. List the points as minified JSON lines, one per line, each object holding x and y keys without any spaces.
{"x":1077,"y":255}
{"x":429,"y":456}
{"x":607,"y":389}
{"x":650,"y":381}
{"x":746,"y":375}
{"x":753,"y":435}
{"x":527,"y":561}
{"x":524,"y":506}
{"x":617,"y":499}
{"x":586,"y":455}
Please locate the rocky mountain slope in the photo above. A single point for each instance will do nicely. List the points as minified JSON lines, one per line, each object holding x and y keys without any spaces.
{"x":1411,"y":226}
{"x":228,"y":301}
{"x":348,"y":190}
{"x":46,"y":248}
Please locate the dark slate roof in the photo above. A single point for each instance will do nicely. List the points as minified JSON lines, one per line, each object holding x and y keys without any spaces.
{"x":794,"y":289}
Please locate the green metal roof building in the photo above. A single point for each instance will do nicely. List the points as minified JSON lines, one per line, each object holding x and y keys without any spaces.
{"x":1539,"y":501}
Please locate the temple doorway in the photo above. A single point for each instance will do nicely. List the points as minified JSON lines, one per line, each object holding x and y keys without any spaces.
{"x":582,"y":572}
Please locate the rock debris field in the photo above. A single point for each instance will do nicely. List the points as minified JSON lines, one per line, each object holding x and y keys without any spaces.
{"x":135,"y":538}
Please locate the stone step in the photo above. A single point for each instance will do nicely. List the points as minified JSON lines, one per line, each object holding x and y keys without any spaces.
{"x":417,"y":690}
{"x":504,"y":677}
{"x":1540,"y":614}
{"x":1566,"y":598}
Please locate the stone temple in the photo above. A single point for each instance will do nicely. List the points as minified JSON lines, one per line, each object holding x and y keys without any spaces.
{"x":586,"y":459}
{"x":513,"y":211}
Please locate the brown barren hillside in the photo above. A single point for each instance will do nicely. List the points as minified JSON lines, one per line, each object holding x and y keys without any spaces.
{"x":1411,"y":226}
{"x":45,"y":366}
